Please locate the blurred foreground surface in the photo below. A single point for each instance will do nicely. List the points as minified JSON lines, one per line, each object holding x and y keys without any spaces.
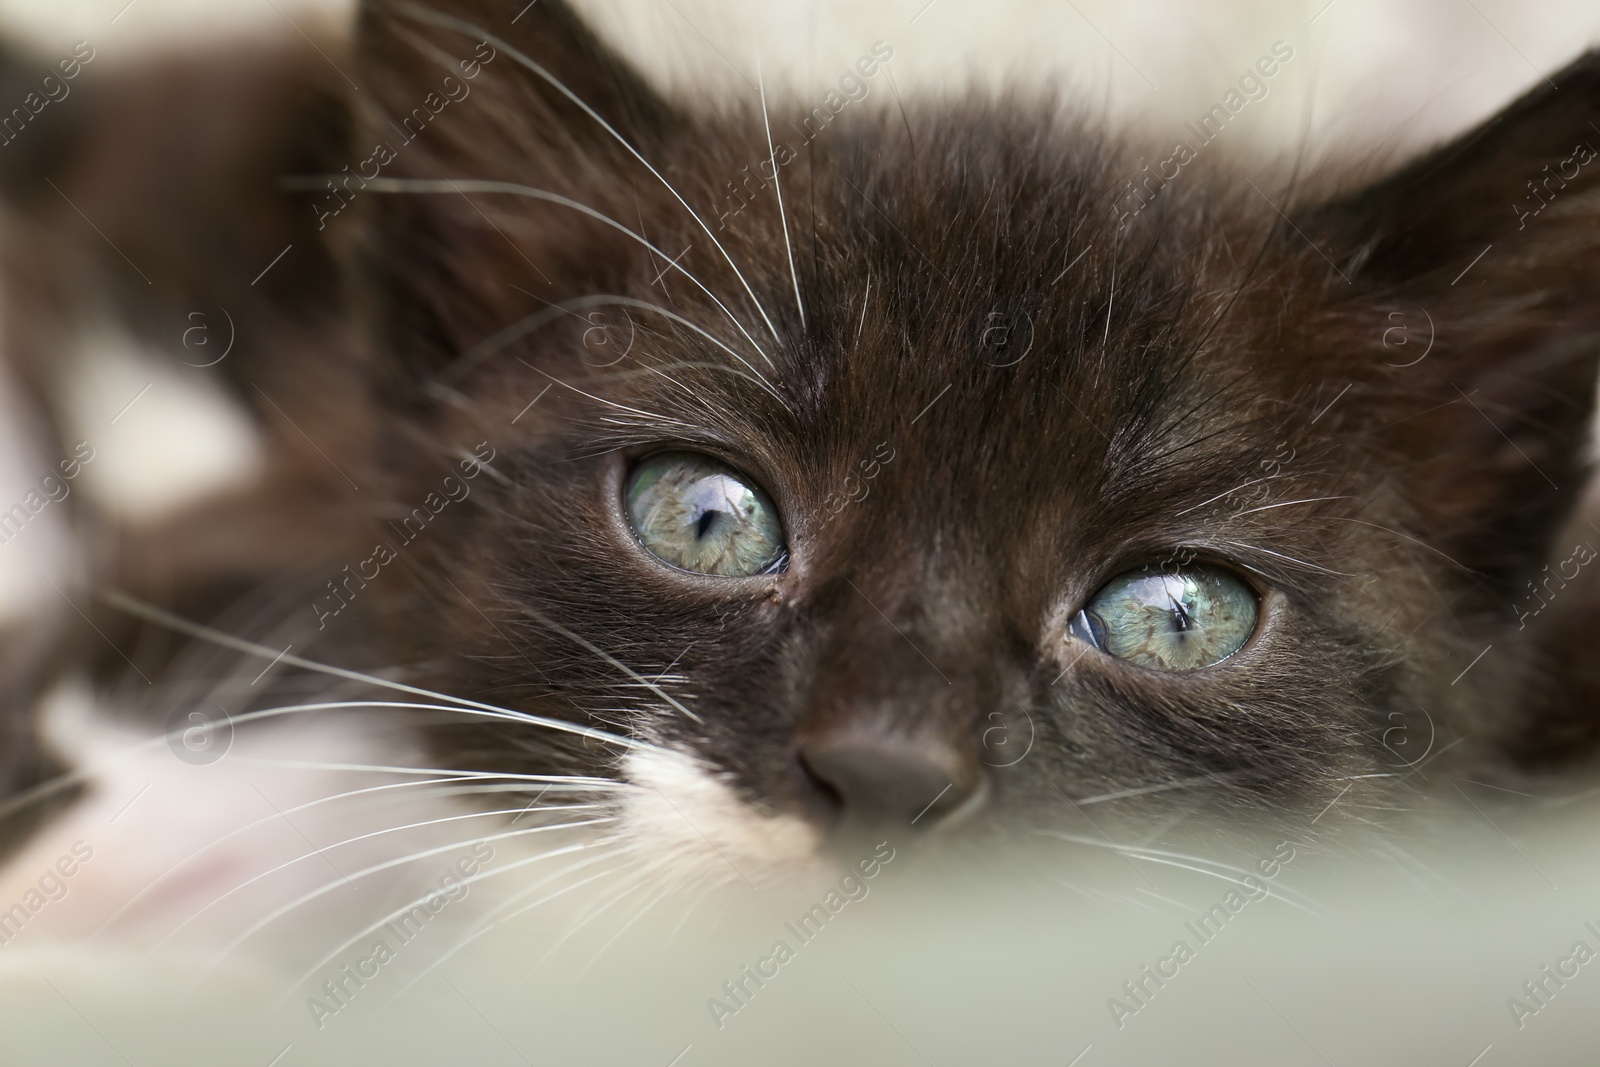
{"x":1469,"y":940}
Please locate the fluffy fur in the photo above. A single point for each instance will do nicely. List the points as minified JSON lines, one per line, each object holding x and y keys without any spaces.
{"x":550,"y":274}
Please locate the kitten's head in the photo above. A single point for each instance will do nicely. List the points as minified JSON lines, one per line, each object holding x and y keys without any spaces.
{"x":894,"y":474}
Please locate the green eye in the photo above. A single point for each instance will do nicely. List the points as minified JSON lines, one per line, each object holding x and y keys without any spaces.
{"x":1170,"y":620}
{"x":697,"y":514}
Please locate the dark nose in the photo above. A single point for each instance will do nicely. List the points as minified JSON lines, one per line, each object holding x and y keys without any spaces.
{"x":892,"y":783}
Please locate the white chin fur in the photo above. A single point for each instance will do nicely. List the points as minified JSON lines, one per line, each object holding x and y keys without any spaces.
{"x":685,"y":815}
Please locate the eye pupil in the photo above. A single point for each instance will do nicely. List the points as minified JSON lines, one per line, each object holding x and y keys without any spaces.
{"x":1182,"y":621}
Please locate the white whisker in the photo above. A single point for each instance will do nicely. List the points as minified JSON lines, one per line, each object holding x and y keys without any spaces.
{"x":87,"y":771}
{"x":867,"y":296}
{"x":463,"y":26}
{"x":1318,"y":568}
{"x":777,"y":184}
{"x":307,"y":898}
{"x":594,"y":913}
{"x":323,"y":850}
{"x":508,"y":868}
{"x":1219,"y":496}
{"x":1404,"y":537}
{"x":522,"y":327}
{"x":274,"y":817}
{"x":557,"y":782}
{"x":1122,"y":794}
{"x":152,"y":613}
{"x":478,"y":185}
{"x":600,"y":399}
{"x":1290,"y":503}
{"x":1173,"y":859}
{"x":489,"y":927}
{"x":624,"y":928}
{"x":609,"y":658}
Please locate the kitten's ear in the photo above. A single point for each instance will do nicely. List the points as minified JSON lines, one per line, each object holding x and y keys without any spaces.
{"x":1487,"y":249}
{"x":458,"y":93}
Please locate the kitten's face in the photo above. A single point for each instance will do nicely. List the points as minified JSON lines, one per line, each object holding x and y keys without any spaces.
{"x":1031,"y":507}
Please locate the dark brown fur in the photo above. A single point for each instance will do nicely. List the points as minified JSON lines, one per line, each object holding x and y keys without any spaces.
{"x":1149,"y":372}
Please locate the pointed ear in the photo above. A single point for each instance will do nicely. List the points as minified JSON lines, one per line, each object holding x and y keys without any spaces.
{"x":461,"y":93}
{"x":1489,"y":250}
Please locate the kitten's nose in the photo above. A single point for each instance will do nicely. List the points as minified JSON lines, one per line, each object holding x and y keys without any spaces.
{"x":893,"y":783}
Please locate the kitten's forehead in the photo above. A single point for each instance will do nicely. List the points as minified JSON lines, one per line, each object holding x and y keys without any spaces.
{"x":1009,"y":285}
{"x":1003,"y":327}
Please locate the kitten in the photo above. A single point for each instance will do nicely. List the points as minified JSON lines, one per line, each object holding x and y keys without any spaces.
{"x":818,"y":473}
